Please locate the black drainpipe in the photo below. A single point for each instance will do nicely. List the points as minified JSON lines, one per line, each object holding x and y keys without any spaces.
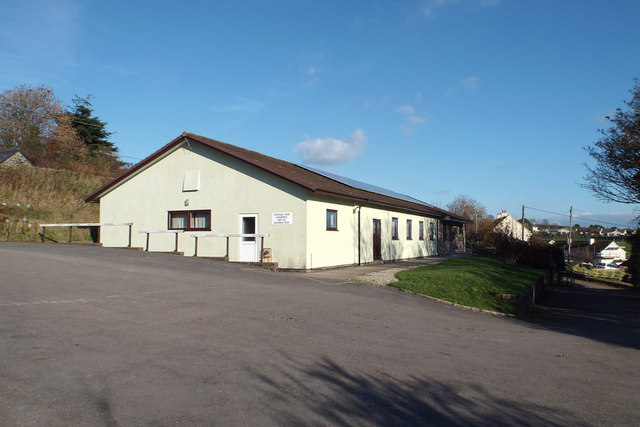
{"x":359,"y":207}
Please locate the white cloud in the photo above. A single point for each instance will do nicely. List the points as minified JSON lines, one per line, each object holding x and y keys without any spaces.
{"x":412,"y":120}
{"x":406,"y":109}
{"x":330,"y":151}
{"x":467,"y":84}
{"x":374,"y":103}
{"x":241,"y":105}
{"x":431,"y":7}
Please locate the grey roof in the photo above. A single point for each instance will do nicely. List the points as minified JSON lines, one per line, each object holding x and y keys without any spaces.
{"x":364,"y":186}
{"x":4,"y":155}
{"x":317,"y":182}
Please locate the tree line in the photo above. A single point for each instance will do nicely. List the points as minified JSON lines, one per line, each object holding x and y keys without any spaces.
{"x":34,"y":120}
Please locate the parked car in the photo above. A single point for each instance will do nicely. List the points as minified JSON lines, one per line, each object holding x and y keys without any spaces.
{"x":603,"y":266}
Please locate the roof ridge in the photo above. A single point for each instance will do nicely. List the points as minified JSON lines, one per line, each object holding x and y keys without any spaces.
{"x":288,"y":171}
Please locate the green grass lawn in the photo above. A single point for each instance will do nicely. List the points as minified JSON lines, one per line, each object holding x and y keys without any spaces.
{"x":470,"y":281}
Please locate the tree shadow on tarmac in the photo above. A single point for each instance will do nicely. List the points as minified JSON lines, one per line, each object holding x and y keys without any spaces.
{"x":329,"y":394}
{"x":609,"y":315}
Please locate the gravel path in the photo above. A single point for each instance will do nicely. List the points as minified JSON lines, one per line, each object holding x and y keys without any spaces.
{"x":384,"y":277}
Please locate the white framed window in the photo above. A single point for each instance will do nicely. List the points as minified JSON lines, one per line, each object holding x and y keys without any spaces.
{"x":332,"y":220}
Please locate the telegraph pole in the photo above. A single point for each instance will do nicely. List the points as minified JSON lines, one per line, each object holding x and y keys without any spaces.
{"x":523,"y":223}
{"x":570,"y":225}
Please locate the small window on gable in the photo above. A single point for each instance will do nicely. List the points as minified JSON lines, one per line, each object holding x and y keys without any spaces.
{"x":394,"y":228}
{"x":191,"y":180}
{"x":409,"y":229}
{"x":421,"y":230}
{"x":332,"y":220}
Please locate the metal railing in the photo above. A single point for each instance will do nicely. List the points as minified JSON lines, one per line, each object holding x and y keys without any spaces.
{"x":227,"y":236}
{"x":86,"y":224}
{"x":148,"y":232}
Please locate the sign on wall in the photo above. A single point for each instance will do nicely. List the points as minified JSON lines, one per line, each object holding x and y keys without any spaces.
{"x":281,"y":218}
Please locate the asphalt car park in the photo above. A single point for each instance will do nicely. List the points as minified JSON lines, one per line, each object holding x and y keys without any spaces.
{"x":100,"y":336}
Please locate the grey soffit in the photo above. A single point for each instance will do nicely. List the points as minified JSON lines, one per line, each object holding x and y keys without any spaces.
{"x":364,"y":186}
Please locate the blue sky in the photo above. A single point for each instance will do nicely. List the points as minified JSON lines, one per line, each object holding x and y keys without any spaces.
{"x":494,"y":99}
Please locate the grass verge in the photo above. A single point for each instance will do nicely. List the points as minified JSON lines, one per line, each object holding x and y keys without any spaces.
{"x":32,"y":195}
{"x":470,"y":281}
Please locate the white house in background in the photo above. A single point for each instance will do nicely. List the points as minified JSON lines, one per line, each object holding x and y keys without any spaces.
{"x":616,"y":233}
{"x":13,"y":158}
{"x":610,"y":253}
{"x":508,"y":225}
{"x":196,"y":185}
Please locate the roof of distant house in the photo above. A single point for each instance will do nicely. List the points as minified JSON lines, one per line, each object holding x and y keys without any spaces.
{"x":7,"y":154}
{"x":311,"y":179}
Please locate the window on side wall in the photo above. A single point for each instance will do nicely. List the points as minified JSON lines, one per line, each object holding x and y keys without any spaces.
{"x":190,"y":220}
{"x":394,"y":228}
{"x":332,"y":220}
{"x":431,"y":231}
{"x":421,"y":230}
{"x":409,"y":229}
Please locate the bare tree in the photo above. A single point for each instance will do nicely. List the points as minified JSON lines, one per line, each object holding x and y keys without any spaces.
{"x":616,"y":175}
{"x":467,"y":207}
{"x":32,"y":119}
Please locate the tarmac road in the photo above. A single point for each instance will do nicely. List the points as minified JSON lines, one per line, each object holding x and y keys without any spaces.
{"x":98,"y":336}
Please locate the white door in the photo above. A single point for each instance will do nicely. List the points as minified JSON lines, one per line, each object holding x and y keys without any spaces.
{"x":248,"y":245}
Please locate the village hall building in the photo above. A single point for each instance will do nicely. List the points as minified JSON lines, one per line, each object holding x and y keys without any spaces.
{"x":306,"y":218}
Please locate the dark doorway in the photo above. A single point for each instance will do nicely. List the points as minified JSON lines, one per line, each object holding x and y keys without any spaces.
{"x":377,"y":240}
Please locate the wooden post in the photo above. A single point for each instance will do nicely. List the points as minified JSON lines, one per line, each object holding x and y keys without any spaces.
{"x":130,"y":225}
{"x":70,"y":230}
{"x":44,"y":230}
{"x":227,"y":255}
{"x":176,"y":249}
{"x":147,"y":246}
{"x":195,"y":253}
{"x":261,"y":246}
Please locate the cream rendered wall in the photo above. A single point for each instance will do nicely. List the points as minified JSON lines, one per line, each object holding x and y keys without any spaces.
{"x":330,"y":248}
{"x":228,"y":188}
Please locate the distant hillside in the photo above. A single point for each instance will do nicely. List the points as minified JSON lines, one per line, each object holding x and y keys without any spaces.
{"x":31,"y":195}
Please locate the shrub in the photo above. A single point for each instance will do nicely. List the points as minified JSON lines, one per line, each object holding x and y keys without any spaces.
{"x":537,"y":255}
{"x":633,"y":264}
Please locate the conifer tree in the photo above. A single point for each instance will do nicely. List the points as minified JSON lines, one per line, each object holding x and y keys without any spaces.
{"x":89,"y":128}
